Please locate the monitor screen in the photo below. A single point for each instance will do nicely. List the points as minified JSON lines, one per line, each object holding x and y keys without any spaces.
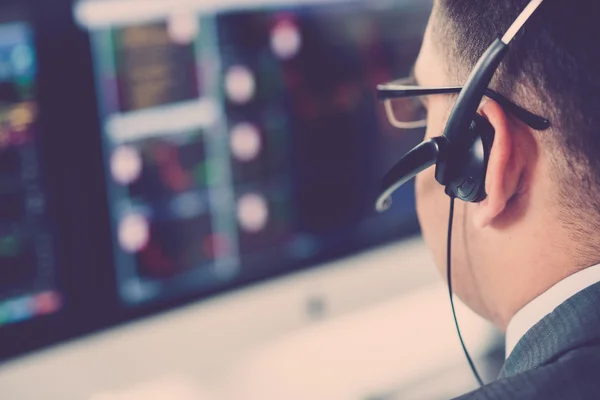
{"x":28,"y":286}
{"x":244,"y":141}
{"x":153,"y":155}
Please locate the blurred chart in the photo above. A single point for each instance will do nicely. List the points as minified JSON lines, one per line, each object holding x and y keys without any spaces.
{"x":244,"y":143}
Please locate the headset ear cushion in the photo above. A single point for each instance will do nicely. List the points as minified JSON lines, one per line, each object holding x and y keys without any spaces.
{"x":484,"y":134}
{"x":469,"y":184}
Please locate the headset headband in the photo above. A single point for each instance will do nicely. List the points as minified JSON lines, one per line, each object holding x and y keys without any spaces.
{"x":441,"y":150}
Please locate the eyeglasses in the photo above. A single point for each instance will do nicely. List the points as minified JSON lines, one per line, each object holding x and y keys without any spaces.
{"x":403,"y":101}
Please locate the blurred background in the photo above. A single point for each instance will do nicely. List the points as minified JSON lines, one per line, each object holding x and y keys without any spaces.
{"x":187,"y":206}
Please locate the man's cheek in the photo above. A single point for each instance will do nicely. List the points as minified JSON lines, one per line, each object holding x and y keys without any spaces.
{"x":426,"y":185}
{"x":432,"y":214}
{"x":424,"y":199}
{"x":429,"y":198}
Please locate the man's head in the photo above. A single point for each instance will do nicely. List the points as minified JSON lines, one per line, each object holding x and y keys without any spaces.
{"x":540,"y":221}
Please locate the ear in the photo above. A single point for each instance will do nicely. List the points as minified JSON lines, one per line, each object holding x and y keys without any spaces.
{"x":504,"y":167}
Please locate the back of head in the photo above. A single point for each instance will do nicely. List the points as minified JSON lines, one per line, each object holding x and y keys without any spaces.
{"x":553,"y":69}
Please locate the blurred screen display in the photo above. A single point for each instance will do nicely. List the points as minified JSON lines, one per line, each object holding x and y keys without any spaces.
{"x":27,"y":262}
{"x":244,"y":143}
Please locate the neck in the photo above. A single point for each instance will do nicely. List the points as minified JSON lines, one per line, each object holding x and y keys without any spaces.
{"x":520,"y":279}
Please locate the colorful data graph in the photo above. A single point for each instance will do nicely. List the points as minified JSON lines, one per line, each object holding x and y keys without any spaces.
{"x":161,"y":167}
{"x":16,"y":124}
{"x":155,"y":66}
{"x":177,"y":246}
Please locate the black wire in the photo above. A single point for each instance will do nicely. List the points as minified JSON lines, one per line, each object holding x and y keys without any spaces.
{"x":449,"y":271}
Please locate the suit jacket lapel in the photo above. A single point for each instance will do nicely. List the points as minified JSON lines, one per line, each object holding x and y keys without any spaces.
{"x":575,"y":323}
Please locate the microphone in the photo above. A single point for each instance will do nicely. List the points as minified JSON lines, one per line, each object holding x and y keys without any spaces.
{"x":414,"y":162}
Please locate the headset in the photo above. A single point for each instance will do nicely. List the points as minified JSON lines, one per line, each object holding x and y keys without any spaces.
{"x":462,"y":153}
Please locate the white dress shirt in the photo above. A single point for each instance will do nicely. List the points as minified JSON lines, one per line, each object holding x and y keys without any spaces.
{"x":544,"y":304}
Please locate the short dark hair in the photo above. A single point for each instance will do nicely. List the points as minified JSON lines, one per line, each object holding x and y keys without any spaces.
{"x":552,"y":68}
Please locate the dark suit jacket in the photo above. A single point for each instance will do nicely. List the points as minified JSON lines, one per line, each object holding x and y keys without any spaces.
{"x":559,"y":358}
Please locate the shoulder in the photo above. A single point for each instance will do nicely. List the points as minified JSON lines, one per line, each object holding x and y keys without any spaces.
{"x":573,"y":375}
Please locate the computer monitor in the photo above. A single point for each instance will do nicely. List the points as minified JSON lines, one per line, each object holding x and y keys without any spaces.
{"x":157,"y":153}
{"x":243,"y":140}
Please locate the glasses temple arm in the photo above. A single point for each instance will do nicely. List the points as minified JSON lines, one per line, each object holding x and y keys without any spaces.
{"x":532,"y":120}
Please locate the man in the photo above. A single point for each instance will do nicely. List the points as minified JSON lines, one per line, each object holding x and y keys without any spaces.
{"x":526,"y":257}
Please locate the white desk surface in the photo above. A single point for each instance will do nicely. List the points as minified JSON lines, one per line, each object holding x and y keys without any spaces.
{"x":387,"y":323}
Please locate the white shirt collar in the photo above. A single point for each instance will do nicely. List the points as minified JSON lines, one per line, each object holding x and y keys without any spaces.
{"x":544,"y":304}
